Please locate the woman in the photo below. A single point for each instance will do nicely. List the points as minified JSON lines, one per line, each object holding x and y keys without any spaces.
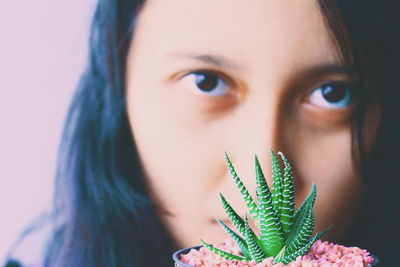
{"x":170,"y":85}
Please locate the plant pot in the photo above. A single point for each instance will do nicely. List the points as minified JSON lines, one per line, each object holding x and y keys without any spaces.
{"x":177,"y":255}
{"x":178,"y":263}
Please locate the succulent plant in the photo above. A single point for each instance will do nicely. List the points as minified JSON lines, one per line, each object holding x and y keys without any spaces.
{"x":284,"y":234}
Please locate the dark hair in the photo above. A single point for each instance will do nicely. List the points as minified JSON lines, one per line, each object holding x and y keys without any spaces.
{"x":367,"y":34}
{"x":108,"y":218}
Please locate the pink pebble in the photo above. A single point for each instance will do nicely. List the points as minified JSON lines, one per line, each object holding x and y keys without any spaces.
{"x":321,"y":254}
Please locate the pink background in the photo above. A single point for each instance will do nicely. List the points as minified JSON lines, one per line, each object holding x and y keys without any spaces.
{"x":42,"y":53}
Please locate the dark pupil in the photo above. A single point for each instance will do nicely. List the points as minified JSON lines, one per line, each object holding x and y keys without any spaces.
{"x":206,"y":82}
{"x":333,"y":93}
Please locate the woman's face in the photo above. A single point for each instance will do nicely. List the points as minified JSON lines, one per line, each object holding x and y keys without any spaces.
{"x":204,"y":77}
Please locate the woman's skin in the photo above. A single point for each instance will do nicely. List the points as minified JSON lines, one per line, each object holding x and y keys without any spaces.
{"x":262,"y":66}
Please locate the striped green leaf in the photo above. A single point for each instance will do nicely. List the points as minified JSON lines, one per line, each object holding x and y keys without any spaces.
{"x":233,"y":216}
{"x":319,"y":235}
{"x":293,"y":255}
{"x":222,"y":253}
{"x":276,"y":183}
{"x":270,"y":227}
{"x":238,"y":240}
{"x":304,"y":234}
{"x":281,"y":255}
{"x":251,"y":205}
{"x":287,"y":208}
{"x":255,"y":250}
{"x":301,"y":216}
{"x":299,"y":252}
{"x":305,"y":248}
{"x":310,"y":199}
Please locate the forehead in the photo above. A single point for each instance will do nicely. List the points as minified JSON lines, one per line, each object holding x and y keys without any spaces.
{"x":258,"y":34}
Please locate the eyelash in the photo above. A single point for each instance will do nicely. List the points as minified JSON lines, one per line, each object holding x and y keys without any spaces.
{"x":220,"y":76}
{"x":326,"y":90}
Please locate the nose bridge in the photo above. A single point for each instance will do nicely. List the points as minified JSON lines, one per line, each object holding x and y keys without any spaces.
{"x":258,"y":123}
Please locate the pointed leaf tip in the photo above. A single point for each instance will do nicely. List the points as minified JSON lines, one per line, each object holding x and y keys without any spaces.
{"x":226,"y":155}
{"x":221,"y":253}
{"x":321,"y":234}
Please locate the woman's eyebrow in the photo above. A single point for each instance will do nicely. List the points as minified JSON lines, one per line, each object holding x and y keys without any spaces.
{"x":216,"y":60}
{"x":326,"y":69}
{"x":223,"y":62}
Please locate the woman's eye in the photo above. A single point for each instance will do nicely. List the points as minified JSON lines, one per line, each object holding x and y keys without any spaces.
{"x":206,"y":83}
{"x":333,"y":95}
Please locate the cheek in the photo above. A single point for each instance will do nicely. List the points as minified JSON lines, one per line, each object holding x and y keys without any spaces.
{"x":181,"y":156}
{"x":325,"y":158}
{"x":173,"y":148}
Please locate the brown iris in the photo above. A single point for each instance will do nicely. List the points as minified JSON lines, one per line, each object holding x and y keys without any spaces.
{"x":206,"y":81}
{"x":333,"y":92}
